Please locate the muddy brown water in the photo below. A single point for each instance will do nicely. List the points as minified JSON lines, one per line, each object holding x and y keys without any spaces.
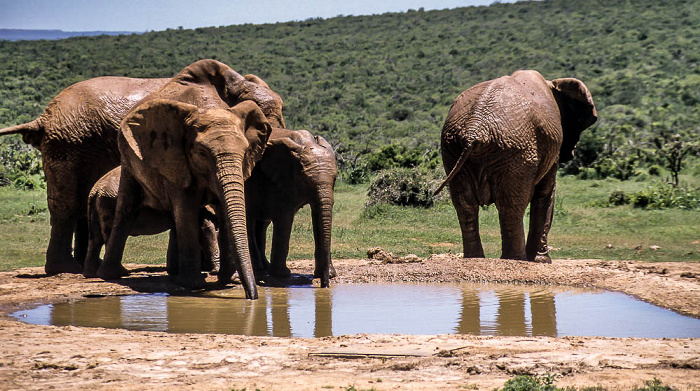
{"x":347,"y":309}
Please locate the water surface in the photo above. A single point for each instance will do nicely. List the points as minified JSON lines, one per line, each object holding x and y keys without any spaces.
{"x":478,"y":309}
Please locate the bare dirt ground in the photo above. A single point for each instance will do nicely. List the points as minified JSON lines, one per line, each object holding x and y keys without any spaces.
{"x":48,"y":357}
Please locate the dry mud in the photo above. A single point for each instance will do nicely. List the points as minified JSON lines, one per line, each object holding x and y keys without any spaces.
{"x":74,"y":358}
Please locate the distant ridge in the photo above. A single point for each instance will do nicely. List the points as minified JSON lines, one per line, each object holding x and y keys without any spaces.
{"x":33,"y":35}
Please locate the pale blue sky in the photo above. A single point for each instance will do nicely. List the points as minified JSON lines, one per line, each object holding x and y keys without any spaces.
{"x":146,"y":15}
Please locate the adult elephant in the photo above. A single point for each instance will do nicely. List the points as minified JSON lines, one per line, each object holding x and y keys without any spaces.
{"x":178,"y":158}
{"x":296,"y":169}
{"x":502,"y":143}
{"x":77,"y":137}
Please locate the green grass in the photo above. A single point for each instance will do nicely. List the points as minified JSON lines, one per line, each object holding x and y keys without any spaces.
{"x":580,"y":230}
{"x":546,"y":383}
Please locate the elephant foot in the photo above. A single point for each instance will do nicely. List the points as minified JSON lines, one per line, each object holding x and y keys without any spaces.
{"x":281,"y":271}
{"x":331,"y":273}
{"x":91,"y":269}
{"x":66,"y":266}
{"x":111,"y":273}
{"x":542,"y":258}
{"x":191,"y":281}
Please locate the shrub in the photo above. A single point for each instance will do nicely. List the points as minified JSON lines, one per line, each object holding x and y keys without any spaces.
{"x":530,"y":383}
{"x":404,"y":187}
{"x":655,"y":170}
{"x":654,"y":385}
{"x":665,"y":195}
{"x":20,"y":165}
{"x":618,"y":197}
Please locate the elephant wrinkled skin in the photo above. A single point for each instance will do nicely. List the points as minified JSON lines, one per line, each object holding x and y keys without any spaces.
{"x":502,"y":143}
{"x":77,"y":137}
{"x":296,"y":169}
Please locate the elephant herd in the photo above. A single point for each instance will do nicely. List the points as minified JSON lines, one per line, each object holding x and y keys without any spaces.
{"x":206,"y":155}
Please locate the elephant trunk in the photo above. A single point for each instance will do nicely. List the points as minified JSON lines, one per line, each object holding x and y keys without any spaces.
{"x":322,"y":218}
{"x":230,"y":176}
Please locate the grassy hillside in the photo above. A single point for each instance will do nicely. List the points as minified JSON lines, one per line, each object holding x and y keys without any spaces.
{"x":369,"y":81}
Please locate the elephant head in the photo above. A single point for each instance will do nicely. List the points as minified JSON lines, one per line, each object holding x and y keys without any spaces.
{"x":233,"y":88}
{"x":207,"y":155}
{"x":577,"y":112}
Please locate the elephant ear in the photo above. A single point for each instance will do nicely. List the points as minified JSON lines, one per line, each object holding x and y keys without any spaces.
{"x":257,"y":131}
{"x":281,"y":161}
{"x":577,"y":112}
{"x":157,"y":133}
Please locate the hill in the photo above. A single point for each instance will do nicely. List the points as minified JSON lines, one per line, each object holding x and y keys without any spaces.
{"x":31,"y":35}
{"x":366,"y":82}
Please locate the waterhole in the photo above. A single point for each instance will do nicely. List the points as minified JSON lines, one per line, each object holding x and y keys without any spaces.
{"x":479,"y":309}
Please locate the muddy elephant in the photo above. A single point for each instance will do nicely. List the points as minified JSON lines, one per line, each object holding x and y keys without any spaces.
{"x":297,"y":169}
{"x":77,"y":137}
{"x":502,"y":143}
{"x":102,"y":203}
{"x":178,"y":158}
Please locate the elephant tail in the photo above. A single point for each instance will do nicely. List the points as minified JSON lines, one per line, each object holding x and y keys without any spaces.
{"x":31,"y":131}
{"x":458,"y":166}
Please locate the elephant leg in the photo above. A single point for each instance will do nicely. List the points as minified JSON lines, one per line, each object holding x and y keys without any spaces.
{"x":511,"y":211}
{"x":96,"y":240}
{"x":468,"y":215}
{"x":210,"y":246}
{"x":171,"y":259}
{"x":81,"y":240}
{"x":58,"y":253}
{"x":261,"y":227}
{"x":125,"y":215}
{"x":541,"y":214}
{"x":257,"y":238}
{"x":62,"y":200}
{"x":281,"y":232}
{"x":187,"y":229}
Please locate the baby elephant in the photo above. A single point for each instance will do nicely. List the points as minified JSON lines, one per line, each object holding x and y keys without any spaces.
{"x":102,"y":203}
{"x":296,"y":169}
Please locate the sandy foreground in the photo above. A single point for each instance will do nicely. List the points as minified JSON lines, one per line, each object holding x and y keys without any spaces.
{"x":62,"y":358}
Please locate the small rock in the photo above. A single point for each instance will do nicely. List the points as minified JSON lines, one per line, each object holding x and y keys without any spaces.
{"x":609,"y":246}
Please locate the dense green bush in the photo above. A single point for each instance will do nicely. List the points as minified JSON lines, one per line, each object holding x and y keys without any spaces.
{"x":530,"y":383}
{"x":364,"y":82}
{"x":665,"y":195}
{"x":404,"y":187}
{"x":20,"y":165}
{"x":618,"y":197}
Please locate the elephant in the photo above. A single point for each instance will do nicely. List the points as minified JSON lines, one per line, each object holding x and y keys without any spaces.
{"x":77,"y":137}
{"x":178,"y":158}
{"x":102,"y":203}
{"x":296,"y":169}
{"x":502,"y":143}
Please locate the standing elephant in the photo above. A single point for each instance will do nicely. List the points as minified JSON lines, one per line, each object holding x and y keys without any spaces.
{"x":102,"y":203}
{"x":77,"y":137}
{"x":296,"y":169}
{"x":502,"y":143}
{"x":178,"y":158}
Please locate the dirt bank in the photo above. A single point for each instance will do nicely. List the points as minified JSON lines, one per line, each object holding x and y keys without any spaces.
{"x":48,"y":357}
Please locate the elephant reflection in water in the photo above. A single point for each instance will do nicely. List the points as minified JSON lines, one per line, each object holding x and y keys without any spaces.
{"x":511,"y":317}
{"x":245,"y":317}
